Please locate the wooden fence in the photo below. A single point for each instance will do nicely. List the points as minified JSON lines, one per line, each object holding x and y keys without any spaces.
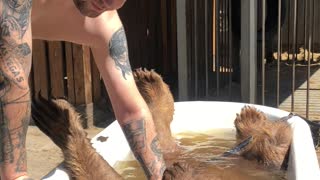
{"x":63,"y":69}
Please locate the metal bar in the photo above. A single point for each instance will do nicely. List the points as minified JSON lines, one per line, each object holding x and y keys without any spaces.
{"x":195,"y":35}
{"x":230,"y":49}
{"x":279,"y":53}
{"x":263,"y":76}
{"x":206,"y":47}
{"x":226,"y":57}
{"x":311,"y":31}
{"x":306,"y":41}
{"x":248,"y":50}
{"x":294,"y":53}
{"x":305,"y":9}
{"x":223,"y":41}
{"x":217,"y":20}
{"x":289,"y":28}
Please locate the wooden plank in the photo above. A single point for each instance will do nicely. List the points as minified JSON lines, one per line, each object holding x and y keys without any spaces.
{"x":40,"y":68}
{"x":31,"y":82}
{"x":70,"y":73}
{"x":154,"y":37}
{"x":55,"y":52}
{"x":173,"y":37}
{"x":96,"y":80}
{"x":164,"y":36}
{"x":82,"y":74}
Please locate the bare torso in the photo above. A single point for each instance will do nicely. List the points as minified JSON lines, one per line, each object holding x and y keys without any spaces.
{"x":61,"y":20}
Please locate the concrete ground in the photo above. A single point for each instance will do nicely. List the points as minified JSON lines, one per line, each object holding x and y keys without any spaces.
{"x":43,"y":155}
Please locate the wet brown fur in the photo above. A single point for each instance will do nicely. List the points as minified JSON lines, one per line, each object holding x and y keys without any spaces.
{"x":271,"y":139}
{"x":160,"y":101}
{"x":58,"y":120}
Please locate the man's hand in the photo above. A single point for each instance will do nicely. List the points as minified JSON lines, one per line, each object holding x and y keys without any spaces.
{"x":178,"y":171}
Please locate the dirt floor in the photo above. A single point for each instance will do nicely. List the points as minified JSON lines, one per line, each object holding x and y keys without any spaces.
{"x":43,"y":154}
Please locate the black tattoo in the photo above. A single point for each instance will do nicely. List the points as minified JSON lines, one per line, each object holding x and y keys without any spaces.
{"x":6,"y":148}
{"x":13,"y":70}
{"x":118,"y":49}
{"x":15,"y":17}
{"x":135,"y":133}
{"x":21,"y":135}
{"x":14,"y":22}
{"x":15,"y":53}
{"x":14,"y":138}
{"x":155,"y":147}
{"x":5,"y":85}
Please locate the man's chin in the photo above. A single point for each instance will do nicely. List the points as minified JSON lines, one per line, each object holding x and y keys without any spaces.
{"x":91,"y":14}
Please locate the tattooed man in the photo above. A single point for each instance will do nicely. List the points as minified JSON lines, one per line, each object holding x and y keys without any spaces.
{"x":90,"y":22}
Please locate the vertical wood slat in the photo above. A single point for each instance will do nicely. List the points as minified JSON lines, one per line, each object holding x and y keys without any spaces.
{"x":31,"y":82}
{"x":55,"y":56}
{"x":173,"y":35}
{"x":82,"y":76}
{"x":70,"y":73}
{"x":96,"y":81}
{"x":164,"y":33}
{"x":40,"y":68}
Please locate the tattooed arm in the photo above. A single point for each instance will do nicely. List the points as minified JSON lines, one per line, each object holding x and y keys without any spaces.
{"x":130,"y":109}
{"x":15,"y":63}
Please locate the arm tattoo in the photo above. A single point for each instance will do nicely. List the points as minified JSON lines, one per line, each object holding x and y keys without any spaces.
{"x":15,"y":57}
{"x":136,"y":135}
{"x":155,"y":146}
{"x":118,"y":49}
{"x":156,"y":149}
{"x":15,"y":17}
{"x":14,"y":22}
{"x":14,"y":138}
{"x":6,"y":148}
{"x":21,"y":135}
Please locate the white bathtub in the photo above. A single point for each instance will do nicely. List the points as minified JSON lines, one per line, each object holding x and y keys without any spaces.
{"x":200,"y":116}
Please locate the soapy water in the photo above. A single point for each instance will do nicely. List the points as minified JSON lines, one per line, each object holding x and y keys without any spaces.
{"x":203,"y":151}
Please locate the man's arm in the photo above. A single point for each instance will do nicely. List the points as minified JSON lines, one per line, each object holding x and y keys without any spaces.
{"x":15,"y":63}
{"x":130,"y":109}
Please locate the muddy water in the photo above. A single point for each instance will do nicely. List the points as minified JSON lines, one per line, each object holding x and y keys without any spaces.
{"x":203,"y":152}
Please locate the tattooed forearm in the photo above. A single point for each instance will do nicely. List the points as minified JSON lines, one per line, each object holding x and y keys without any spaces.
{"x":156,"y":149}
{"x":15,"y":64}
{"x":6,"y":148}
{"x":118,"y":49}
{"x":14,"y":22}
{"x":13,"y":138}
{"x":15,"y":17}
{"x":135,"y":133}
{"x":136,"y":137}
